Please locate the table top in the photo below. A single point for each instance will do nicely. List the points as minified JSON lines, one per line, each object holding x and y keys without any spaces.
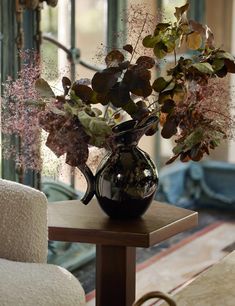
{"x":73,"y":221}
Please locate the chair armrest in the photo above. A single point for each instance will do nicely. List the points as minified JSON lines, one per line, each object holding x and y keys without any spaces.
{"x":23,"y":223}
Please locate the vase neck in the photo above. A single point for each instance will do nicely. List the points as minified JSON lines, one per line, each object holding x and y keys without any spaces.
{"x":130,"y":132}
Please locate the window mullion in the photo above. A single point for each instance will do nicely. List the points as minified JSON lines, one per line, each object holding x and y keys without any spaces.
{"x":9,"y":67}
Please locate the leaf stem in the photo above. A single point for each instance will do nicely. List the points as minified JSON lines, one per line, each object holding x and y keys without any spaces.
{"x":106,"y":111}
{"x":175,"y":56}
{"x":137,"y":41}
{"x":217,"y":112}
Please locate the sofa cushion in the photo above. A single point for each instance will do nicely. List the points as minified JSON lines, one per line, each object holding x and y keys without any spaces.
{"x":29,"y":284}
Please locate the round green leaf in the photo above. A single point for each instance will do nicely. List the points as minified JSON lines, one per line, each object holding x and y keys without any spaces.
{"x":150,"y":41}
{"x":204,"y":68}
{"x":223,"y":54}
{"x":159,"y":84}
{"x":170,"y":44}
{"x":161,"y":27}
{"x":160,"y":50}
{"x":218,"y":64}
{"x":44,"y":89}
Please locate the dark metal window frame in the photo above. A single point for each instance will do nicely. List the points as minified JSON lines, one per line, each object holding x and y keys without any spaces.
{"x":12,"y":35}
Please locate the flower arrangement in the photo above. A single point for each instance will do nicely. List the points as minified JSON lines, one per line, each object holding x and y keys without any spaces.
{"x":186,"y":101}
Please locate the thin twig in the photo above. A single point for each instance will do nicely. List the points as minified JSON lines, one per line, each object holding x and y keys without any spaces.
{"x":175,"y":56}
{"x":137,"y":41}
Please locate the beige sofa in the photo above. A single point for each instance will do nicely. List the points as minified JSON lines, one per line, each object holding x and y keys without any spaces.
{"x":25,"y":278}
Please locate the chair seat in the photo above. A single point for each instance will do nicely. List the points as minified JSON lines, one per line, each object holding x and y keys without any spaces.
{"x":29,"y":284}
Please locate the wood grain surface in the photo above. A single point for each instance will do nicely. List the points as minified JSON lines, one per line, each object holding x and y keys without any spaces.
{"x":73,"y":221}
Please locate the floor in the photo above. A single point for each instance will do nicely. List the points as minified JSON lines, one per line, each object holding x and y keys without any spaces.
{"x":187,"y":254}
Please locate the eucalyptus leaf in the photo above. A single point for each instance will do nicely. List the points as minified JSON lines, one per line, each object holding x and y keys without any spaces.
{"x":84,"y":92}
{"x":75,"y":98}
{"x":66,"y":83}
{"x":178,"y":148}
{"x":73,"y":110}
{"x":180,"y":11}
{"x":150,"y":41}
{"x":170,"y":44}
{"x":146,"y":62}
{"x":170,"y":86}
{"x":230,"y":65}
{"x":131,"y":108}
{"x":194,"y":138}
{"x":44,"y":89}
{"x":57,"y":111}
{"x":169,"y":128}
{"x":113,"y":58}
{"x":98,"y":126}
{"x":162,"y":26}
{"x":218,"y":64}
{"x":168,"y":106}
{"x":128,"y":48}
{"x":223,"y":54}
{"x":103,"y":81}
{"x":197,"y":27}
{"x":160,"y":50}
{"x":194,"y":41}
{"x":204,"y":68}
{"x":159,"y":84}
{"x":96,"y":111}
{"x":85,"y":119}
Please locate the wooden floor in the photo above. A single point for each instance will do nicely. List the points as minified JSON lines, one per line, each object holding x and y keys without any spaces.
{"x":172,"y":267}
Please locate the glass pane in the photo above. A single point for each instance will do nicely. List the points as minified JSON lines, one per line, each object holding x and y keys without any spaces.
{"x":91,"y":33}
{"x":168,"y":7}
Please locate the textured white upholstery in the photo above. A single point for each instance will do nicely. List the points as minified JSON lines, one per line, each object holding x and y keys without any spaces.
{"x":32,"y":284}
{"x":23,"y":223}
{"x":25,"y":278}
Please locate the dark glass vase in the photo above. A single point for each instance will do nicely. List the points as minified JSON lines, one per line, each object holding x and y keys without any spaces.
{"x":126,"y":179}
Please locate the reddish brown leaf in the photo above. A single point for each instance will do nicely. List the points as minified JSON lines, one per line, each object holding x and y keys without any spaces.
{"x":172,"y":159}
{"x":66,"y":83}
{"x":128,"y":48}
{"x":103,"y":81}
{"x":113,"y":58}
{"x":84,"y":92}
{"x":145,"y":62}
{"x":169,"y":128}
{"x":168,"y":106}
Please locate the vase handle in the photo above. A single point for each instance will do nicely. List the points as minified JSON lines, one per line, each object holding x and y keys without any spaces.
{"x":90,"y":179}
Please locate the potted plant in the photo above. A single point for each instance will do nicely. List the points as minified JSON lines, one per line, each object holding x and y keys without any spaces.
{"x":176,"y":106}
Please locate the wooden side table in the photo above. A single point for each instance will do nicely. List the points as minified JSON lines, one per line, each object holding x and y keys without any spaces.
{"x":116,"y":241}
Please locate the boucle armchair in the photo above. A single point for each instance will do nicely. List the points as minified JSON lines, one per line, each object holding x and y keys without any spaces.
{"x":25,"y":277}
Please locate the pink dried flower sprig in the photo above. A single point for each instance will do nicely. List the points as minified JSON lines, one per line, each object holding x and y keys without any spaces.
{"x":20,"y":116}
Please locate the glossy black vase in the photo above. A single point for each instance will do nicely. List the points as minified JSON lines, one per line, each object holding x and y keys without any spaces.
{"x":126,"y":179}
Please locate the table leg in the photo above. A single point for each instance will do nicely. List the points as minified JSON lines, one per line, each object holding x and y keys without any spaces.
{"x":115,"y":275}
